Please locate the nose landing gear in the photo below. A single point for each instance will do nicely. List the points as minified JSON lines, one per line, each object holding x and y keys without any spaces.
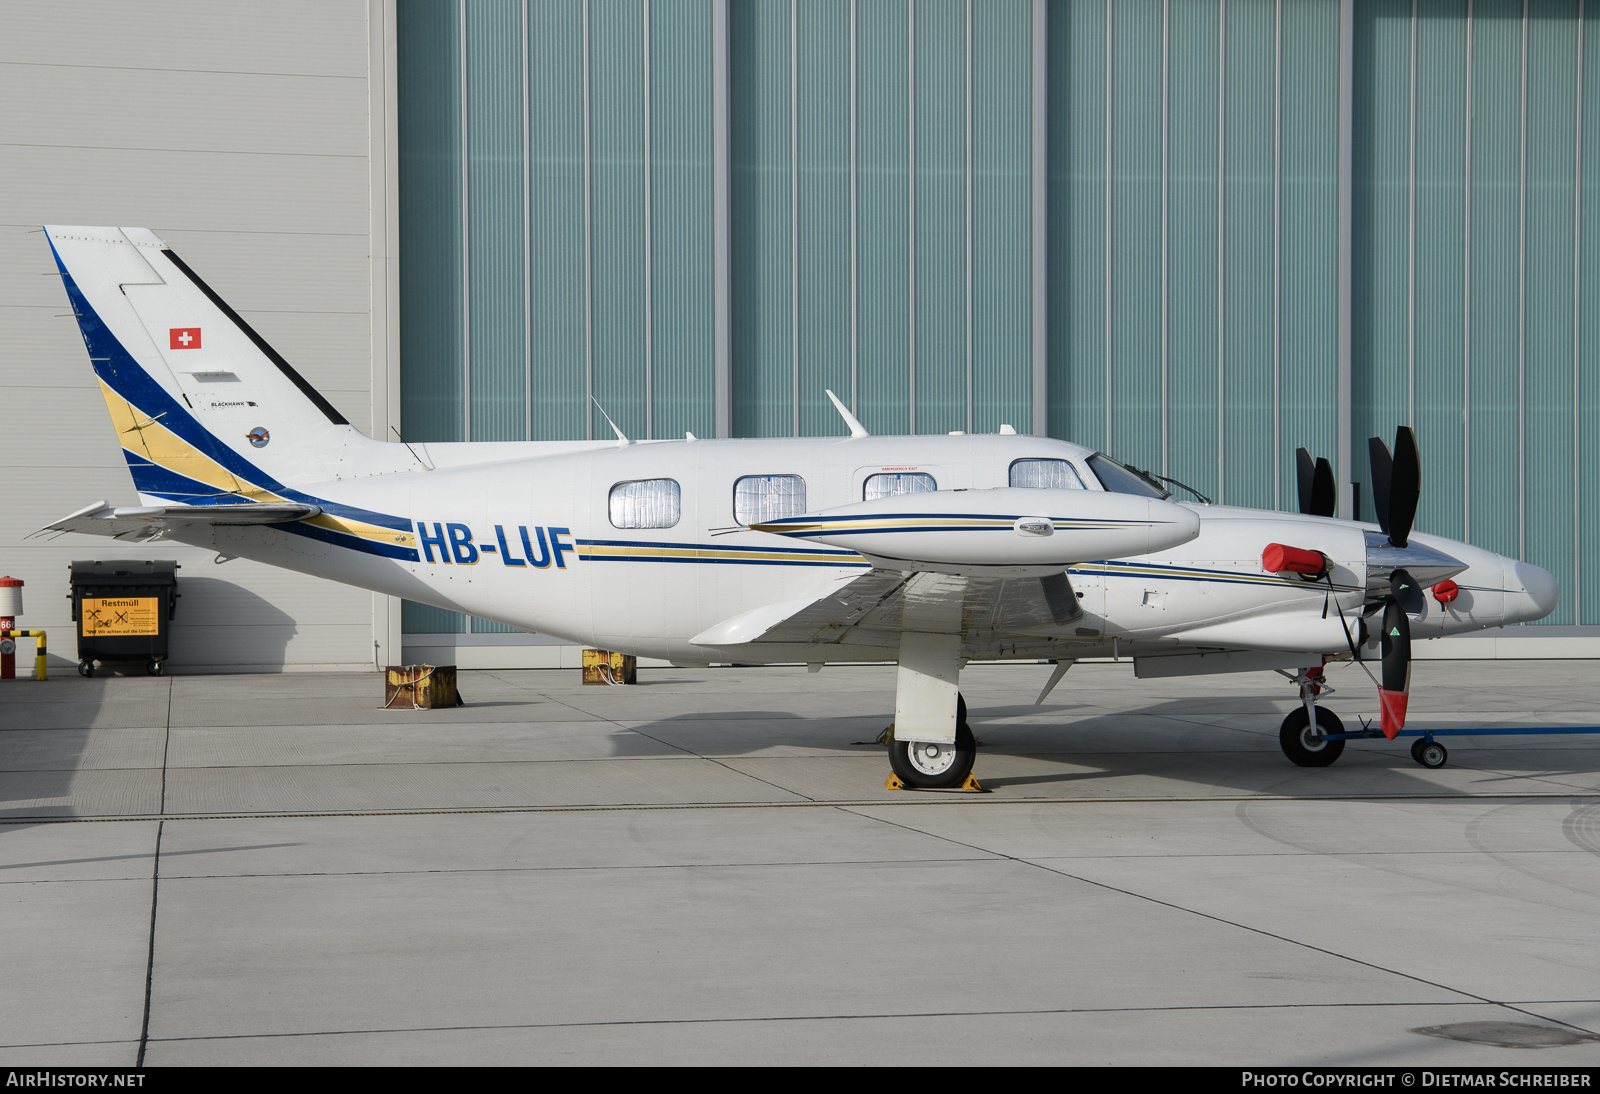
{"x":1305,"y":742}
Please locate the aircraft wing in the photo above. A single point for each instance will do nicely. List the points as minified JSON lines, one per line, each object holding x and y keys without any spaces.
{"x":139,"y":523}
{"x":874,"y":608}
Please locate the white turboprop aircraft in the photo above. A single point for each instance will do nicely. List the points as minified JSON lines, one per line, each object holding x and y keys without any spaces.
{"x":932,"y":551}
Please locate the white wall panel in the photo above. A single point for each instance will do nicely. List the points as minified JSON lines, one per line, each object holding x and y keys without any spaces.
{"x":239,"y":133}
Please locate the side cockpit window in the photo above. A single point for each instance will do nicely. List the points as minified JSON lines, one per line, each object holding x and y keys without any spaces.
{"x":758,"y":498}
{"x":646,"y":503}
{"x":1044,"y":475}
{"x":888,"y":484}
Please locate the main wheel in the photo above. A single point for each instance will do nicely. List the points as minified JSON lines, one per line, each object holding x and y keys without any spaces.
{"x":926,"y":766}
{"x":1430,"y":754}
{"x":85,"y":668}
{"x":1301,"y":747}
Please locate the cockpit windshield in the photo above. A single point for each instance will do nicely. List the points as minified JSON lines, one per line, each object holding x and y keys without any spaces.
{"x":1119,"y":480}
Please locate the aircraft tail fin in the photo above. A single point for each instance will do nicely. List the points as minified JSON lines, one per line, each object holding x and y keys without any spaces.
{"x":206,"y":411}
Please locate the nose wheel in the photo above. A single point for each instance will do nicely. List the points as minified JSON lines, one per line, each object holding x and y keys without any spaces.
{"x":1306,"y":748}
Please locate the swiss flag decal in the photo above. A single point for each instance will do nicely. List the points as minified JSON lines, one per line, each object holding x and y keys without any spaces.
{"x":185,"y":337}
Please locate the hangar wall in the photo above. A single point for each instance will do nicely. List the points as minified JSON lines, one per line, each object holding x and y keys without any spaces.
{"x":1196,"y":234}
{"x":239,"y":133}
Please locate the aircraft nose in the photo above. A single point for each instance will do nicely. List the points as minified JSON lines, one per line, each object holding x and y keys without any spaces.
{"x":1538,"y":587}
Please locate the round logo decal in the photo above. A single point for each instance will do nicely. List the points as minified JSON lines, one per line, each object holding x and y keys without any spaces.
{"x":258,"y":437}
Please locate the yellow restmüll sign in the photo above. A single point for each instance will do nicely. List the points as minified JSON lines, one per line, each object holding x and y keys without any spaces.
{"x":122,"y":615}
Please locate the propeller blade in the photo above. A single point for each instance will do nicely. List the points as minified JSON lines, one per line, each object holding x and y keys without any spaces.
{"x":1406,"y":592}
{"x":1307,"y":477}
{"x":1396,"y":690}
{"x":1324,"y":495}
{"x":1405,"y":487}
{"x":1382,"y":472}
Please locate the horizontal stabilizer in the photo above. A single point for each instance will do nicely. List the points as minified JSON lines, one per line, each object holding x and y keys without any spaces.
{"x":138,"y":523}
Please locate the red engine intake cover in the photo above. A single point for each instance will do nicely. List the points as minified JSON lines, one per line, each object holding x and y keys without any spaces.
{"x":1281,"y":559}
{"x":1446,"y":591}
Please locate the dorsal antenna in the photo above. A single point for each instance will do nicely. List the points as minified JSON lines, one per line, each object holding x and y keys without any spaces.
{"x":856,"y":428}
{"x":622,"y":438}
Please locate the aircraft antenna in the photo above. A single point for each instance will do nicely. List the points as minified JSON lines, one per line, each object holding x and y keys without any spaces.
{"x":411,"y":450}
{"x":622,"y":438}
{"x":856,"y":428}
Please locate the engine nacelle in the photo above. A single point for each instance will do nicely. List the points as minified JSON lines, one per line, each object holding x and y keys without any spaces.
{"x":1007,"y":531}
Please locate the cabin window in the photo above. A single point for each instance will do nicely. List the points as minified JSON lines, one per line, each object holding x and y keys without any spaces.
{"x":888,"y":484}
{"x":758,"y":498}
{"x":646,"y":503}
{"x":1044,"y":475}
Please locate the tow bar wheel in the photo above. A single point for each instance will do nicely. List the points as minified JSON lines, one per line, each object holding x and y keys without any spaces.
{"x":929,"y":766}
{"x":1302,"y":747}
{"x":1429,"y":754}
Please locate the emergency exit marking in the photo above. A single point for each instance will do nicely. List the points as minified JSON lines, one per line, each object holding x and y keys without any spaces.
{"x":184,"y":337}
{"x":121,"y":615}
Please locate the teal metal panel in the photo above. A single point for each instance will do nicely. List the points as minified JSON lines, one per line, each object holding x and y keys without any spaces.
{"x":1588,"y":593}
{"x":1002,"y":232}
{"x":432,"y":367}
{"x":1440,"y":264}
{"x":617,"y":232}
{"x":941,"y":191}
{"x":497,"y":341}
{"x":1380,"y":305}
{"x":428,"y":45}
{"x":681,"y":261}
{"x":1193,"y":117}
{"x":1076,"y":255}
{"x":759,"y":211}
{"x":823,"y":134}
{"x":1496,"y":237}
{"x":1308,"y":231}
{"x":1135,"y":235}
{"x":1548,"y":302}
{"x":883,"y":216}
{"x":1248,"y":455}
{"x":556,"y":220}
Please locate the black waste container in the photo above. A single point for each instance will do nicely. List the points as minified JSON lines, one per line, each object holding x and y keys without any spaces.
{"x":122,"y":609}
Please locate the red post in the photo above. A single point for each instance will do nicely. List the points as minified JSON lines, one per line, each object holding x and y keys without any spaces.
{"x":10,"y":608}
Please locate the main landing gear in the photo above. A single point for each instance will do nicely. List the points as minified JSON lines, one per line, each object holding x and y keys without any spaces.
{"x":924,"y":765}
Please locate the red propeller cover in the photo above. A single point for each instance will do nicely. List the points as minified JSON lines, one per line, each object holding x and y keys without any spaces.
{"x":1393,"y":707}
{"x":1280,"y":559}
{"x":1446,"y":591}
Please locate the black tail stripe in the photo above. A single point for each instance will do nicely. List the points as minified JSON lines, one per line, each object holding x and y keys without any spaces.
{"x":261,"y":343}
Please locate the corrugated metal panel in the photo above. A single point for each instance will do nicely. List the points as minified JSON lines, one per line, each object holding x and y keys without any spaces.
{"x":1309,"y":208}
{"x":498,"y":345}
{"x":1496,"y":240}
{"x":1548,"y":342}
{"x":1441,"y":263}
{"x":759,"y":212}
{"x":1248,"y":290}
{"x":1002,"y":233}
{"x":1191,"y":245}
{"x":681,"y":230}
{"x":617,"y":196}
{"x":1589,"y":320}
{"x":431,"y":333}
{"x":1076,"y":222}
{"x":1380,"y":306}
{"x":823,"y":114}
{"x":1135,"y":232}
{"x":941,"y":261}
{"x":882,"y":216}
{"x":556,"y":220}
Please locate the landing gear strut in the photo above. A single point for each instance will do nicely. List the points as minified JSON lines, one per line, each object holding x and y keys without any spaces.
{"x":1305,"y":743}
